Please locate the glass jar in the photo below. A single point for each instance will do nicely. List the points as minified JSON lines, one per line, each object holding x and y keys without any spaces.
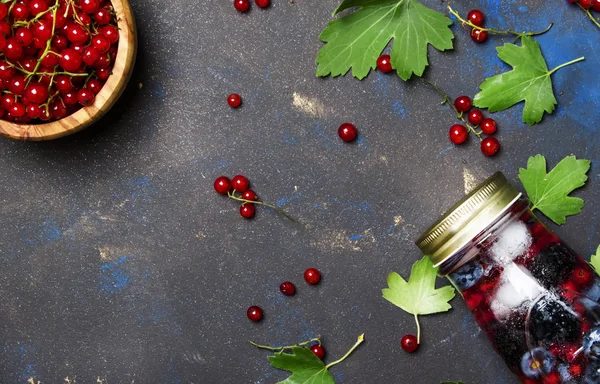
{"x":533,"y":296}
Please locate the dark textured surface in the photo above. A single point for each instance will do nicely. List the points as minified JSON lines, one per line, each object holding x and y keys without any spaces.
{"x":121,"y":265}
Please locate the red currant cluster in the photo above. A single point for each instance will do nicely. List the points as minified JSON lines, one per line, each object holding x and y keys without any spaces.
{"x":459,"y":133}
{"x":239,"y":184}
{"x":312,"y":276}
{"x":56,"y":56}
{"x":244,"y":5}
{"x":587,"y":4}
{"x":476,"y":17}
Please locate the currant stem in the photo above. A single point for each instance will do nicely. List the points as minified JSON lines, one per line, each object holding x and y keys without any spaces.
{"x":495,"y":31}
{"x":418,"y":329}
{"x":279,"y":210}
{"x":566,"y":64}
{"x":279,"y":349}
{"x":447,"y":99}
{"x":590,"y":15}
{"x":361,"y":338}
{"x":49,"y":42}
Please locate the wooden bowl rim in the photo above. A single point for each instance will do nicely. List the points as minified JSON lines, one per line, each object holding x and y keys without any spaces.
{"x":105,"y":99}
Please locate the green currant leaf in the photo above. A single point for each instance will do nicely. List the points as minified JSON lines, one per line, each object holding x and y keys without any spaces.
{"x":529,"y":81}
{"x":595,"y":260}
{"x":306,"y":368}
{"x":356,"y":40}
{"x":549,"y":192}
{"x":418,"y":296}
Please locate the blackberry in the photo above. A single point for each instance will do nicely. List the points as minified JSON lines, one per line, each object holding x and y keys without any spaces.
{"x":536,"y":363}
{"x":468,"y":275}
{"x":553,"y":265}
{"x":591,"y":344}
{"x":553,"y":321}
{"x":509,"y":340}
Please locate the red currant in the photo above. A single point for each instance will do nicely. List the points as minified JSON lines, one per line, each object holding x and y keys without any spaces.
{"x":596,"y":5}
{"x":240,"y":183}
{"x":552,"y":378}
{"x":319,"y":351}
{"x":77,"y":34}
{"x":63,"y":83}
{"x":85,"y":97}
{"x":247,"y":210}
{"x":490,"y":146}
{"x":586,"y":4}
{"x":458,"y":134}
{"x":287,"y":288}
{"x":476,"y":17}
{"x":37,"y":93}
{"x":384,"y":64}
{"x":312,"y":276}
{"x":262,"y":3}
{"x":103,"y":61}
{"x":58,"y":110}
{"x":7,"y":71}
{"x":33,"y":111}
{"x":3,"y":10}
{"x":488,"y":126}
{"x":576,"y":370}
{"x":241,"y":5}
{"x":103,"y":73}
{"x":95,"y":86}
{"x":463,"y":103}
{"x":582,"y":277}
{"x":347,"y":132}
{"x":255,"y":313}
{"x":102,"y":16}
{"x":222,"y":185}
{"x":20,"y":11}
{"x":89,"y":6}
{"x":13,"y":50}
{"x":17,"y":85}
{"x":100,"y":43}
{"x":475,"y":117}
{"x":90,"y":56}
{"x":111,"y":33}
{"x":234,"y":100}
{"x":409,"y":343}
{"x":479,"y":35}
{"x":24,"y":36}
{"x":70,"y":98}
{"x":249,"y":194}
{"x":17,"y":109}
{"x":70,"y":60}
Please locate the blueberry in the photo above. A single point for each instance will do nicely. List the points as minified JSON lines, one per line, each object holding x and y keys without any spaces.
{"x":593,"y":292}
{"x":591,"y":344}
{"x":537,"y":362}
{"x":553,"y":321}
{"x":565,"y":375}
{"x":553,"y":265}
{"x":468,"y":275}
{"x":592,"y":373}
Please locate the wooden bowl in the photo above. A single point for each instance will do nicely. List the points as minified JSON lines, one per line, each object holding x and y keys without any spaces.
{"x":112,"y":89}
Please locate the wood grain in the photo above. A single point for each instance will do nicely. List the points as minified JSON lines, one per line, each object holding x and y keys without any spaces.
{"x":112,"y":90}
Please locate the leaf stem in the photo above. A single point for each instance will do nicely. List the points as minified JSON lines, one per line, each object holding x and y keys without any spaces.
{"x":279,"y":349}
{"x":418,"y":329}
{"x":495,"y":31}
{"x":590,"y":15}
{"x":448,"y":101}
{"x":361,"y":338}
{"x":565,"y":64}
{"x":279,"y":210}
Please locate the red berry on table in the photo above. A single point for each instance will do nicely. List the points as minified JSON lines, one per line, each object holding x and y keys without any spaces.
{"x":490,"y":146}
{"x":488,"y":126}
{"x":262,"y":3}
{"x":463,"y":103}
{"x":586,"y":4}
{"x":222,"y":185}
{"x":582,"y":277}
{"x":347,"y":132}
{"x":234,"y":100}
{"x":479,"y":35}
{"x":409,"y":343}
{"x":458,"y":134}
{"x":255,"y":313}
{"x":312,"y":276}
{"x":596,"y":5}
{"x":475,"y":117}
{"x":318,"y":350}
{"x":476,"y":17}
{"x":241,"y":5}
{"x":384,"y":64}
{"x":250,"y":195}
{"x":247,"y":210}
{"x":240,"y":183}
{"x":287,"y":288}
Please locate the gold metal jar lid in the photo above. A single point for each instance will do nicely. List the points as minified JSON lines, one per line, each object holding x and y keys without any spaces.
{"x":469,"y":217}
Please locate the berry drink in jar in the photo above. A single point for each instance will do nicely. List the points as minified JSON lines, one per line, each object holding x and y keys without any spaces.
{"x":534,"y":297}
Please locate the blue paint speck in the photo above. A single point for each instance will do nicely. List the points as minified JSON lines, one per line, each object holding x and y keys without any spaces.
{"x":114,"y":278}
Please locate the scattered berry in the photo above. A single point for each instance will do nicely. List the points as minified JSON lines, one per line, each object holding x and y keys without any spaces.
{"x":240,"y":183}
{"x":287,"y":288}
{"x":255,"y":313}
{"x":458,"y":134}
{"x":347,"y":132}
{"x":490,"y":146}
{"x":384,"y":64}
{"x":222,"y":185}
{"x":312,"y":276}
{"x":479,"y":35}
{"x":247,"y":210}
{"x":234,"y":100}
{"x":409,"y":343}
{"x":463,"y":103}
{"x":488,"y":126}
{"x":476,"y":17}
{"x":475,"y":117}
{"x":262,"y":3}
{"x":242,"y":5}
{"x":586,"y":4}
{"x":318,"y":350}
